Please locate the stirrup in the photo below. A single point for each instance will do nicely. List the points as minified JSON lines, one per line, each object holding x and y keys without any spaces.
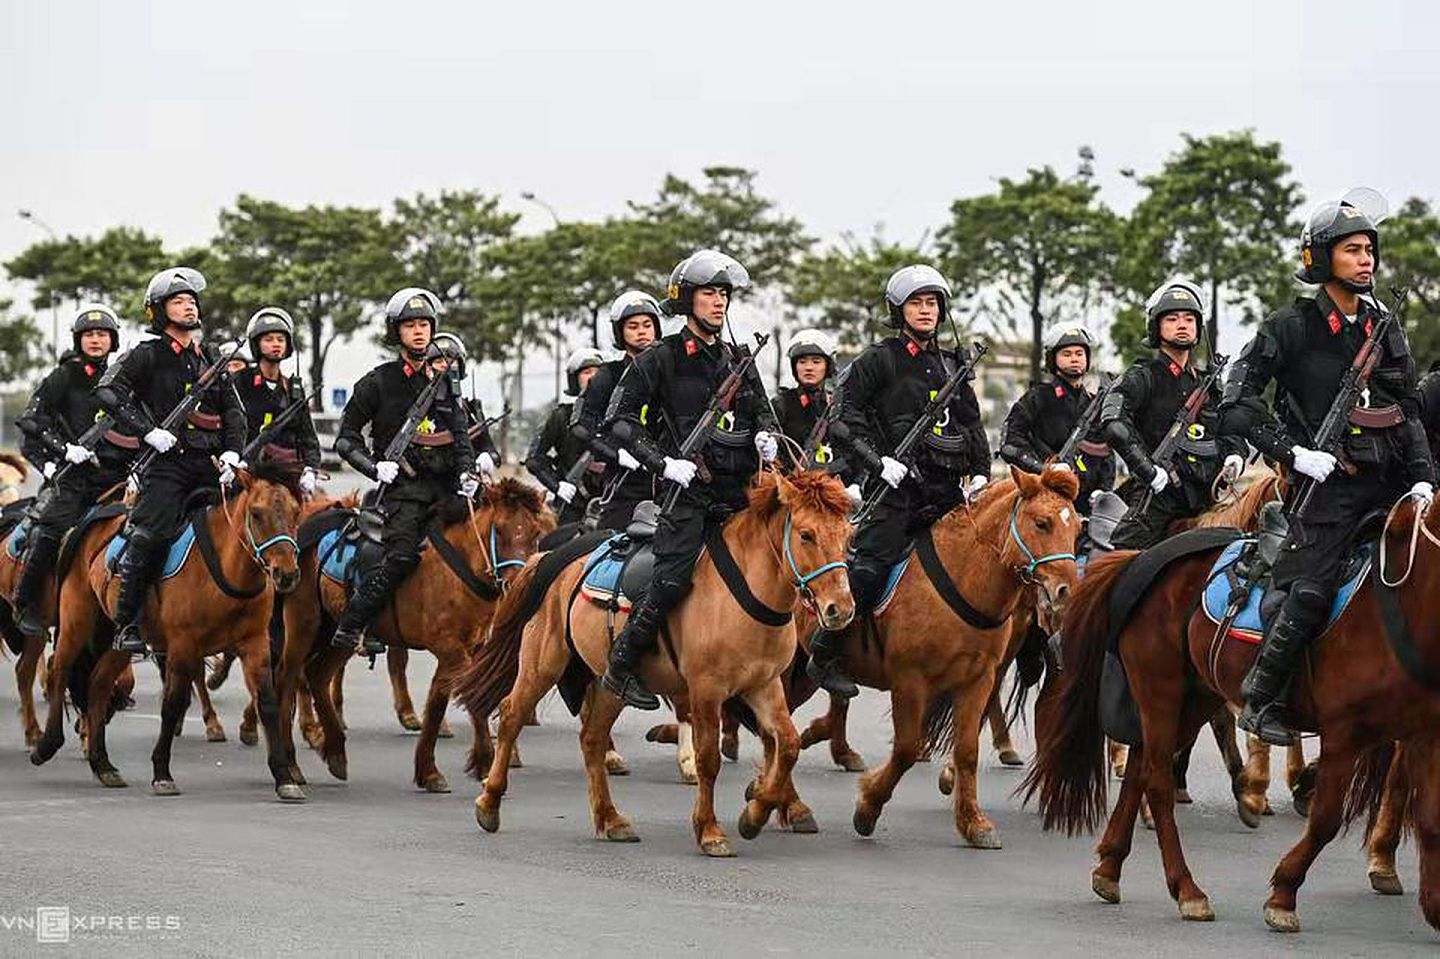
{"x":129,"y":640}
{"x":831,"y":678}
{"x":1268,"y":723}
{"x":27,"y":620}
{"x":630,"y":689}
{"x":345,"y":639}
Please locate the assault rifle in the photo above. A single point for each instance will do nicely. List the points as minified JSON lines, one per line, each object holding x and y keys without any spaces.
{"x":1168,"y":448}
{"x":187,"y":405}
{"x":922,"y":425}
{"x":395,"y":451}
{"x":262,"y":438}
{"x":1086,"y":423}
{"x":823,"y":424}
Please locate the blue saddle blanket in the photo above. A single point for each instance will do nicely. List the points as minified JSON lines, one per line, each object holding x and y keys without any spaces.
{"x":15,"y":542}
{"x":1247,"y":622}
{"x":175,"y":557}
{"x":601,"y":576}
{"x":339,"y":558}
{"x":892,"y":582}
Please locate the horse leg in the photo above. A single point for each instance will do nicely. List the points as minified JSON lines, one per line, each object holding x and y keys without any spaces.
{"x":1300,"y":777}
{"x":840,"y":752}
{"x":664,"y":733}
{"x":179,"y":678}
{"x":397,"y":658}
{"x":907,"y":711}
{"x":1180,"y":767}
{"x":1163,"y":729}
{"x":685,"y":753}
{"x":102,"y":683}
{"x":249,"y":719}
{"x":1422,"y":765}
{"x":1115,"y":844}
{"x":614,"y":762}
{"x":1336,"y":765}
{"x":25,"y":667}
{"x":77,"y":627}
{"x":322,"y":691}
{"x":449,"y":661}
{"x":1384,"y":837}
{"x":1257,"y":774}
{"x":705,"y":723}
{"x":776,"y":787}
{"x":730,"y":735}
{"x":531,"y":683}
{"x":220,"y":671}
{"x":309,"y":721}
{"x":260,"y":681}
{"x":1222,"y":726}
{"x":214,"y":730}
{"x":1000,"y":729}
{"x":1118,"y":752}
{"x":967,"y":715}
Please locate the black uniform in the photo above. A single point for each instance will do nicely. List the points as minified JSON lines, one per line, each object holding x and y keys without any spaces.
{"x":554,"y":452}
{"x":1138,"y":413}
{"x":481,"y":440}
{"x":594,"y":404}
{"x":887,"y":390}
{"x":61,"y":410}
{"x":430,"y":470}
{"x":1428,"y":397}
{"x":798,"y":409}
{"x":1038,"y":425}
{"x":265,"y":399}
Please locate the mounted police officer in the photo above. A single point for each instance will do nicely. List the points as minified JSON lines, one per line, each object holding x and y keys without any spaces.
{"x":62,"y":409}
{"x":437,"y":463}
{"x":266,"y":392}
{"x":888,"y":388}
{"x":1041,"y":421}
{"x":1305,"y":349}
{"x":452,"y":362}
{"x":139,"y":390}
{"x":799,"y":408}
{"x":557,"y":447}
{"x":675,"y":380}
{"x":634,"y":325}
{"x":1141,"y":408}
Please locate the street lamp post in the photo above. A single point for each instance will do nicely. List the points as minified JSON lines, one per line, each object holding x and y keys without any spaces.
{"x":555,"y":320}
{"x":29,"y":217}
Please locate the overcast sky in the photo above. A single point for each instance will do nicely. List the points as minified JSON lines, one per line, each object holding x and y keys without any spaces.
{"x":855,"y":114}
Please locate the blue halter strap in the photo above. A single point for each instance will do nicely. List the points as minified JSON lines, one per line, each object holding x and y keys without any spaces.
{"x":803,"y":580}
{"x":1030,"y":555}
{"x":497,"y":563}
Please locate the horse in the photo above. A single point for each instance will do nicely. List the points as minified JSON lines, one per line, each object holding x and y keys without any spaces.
{"x":1368,"y":683}
{"x":14,"y":471}
{"x":442,"y":606}
{"x":206,"y":607}
{"x":787,"y":546}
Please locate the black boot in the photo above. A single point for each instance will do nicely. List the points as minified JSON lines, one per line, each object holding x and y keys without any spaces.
{"x":635,"y":640}
{"x":369,"y":598}
{"x":1266,"y":686}
{"x":139,"y":563}
{"x":39,"y":561}
{"x":824,"y":666}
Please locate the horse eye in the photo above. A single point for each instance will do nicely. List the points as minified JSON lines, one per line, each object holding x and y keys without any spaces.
{"x":806,"y":536}
{"x":1042,"y":524}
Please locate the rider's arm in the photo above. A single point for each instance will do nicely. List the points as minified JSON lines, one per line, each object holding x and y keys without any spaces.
{"x":232,"y":412}
{"x":629,"y":406}
{"x":1243,"y":410}
{"x":1017,"y":446}
{"x":307,"y":442}
{"x":458,"y":423}
{"x":543,"y":455}
{"x":350,"y":442}
{"x":116,"y":390}
{"x":1397,"y":375}
{"x":857,"y":397}
{"x":978,"y":447}
{"x":41,"y":423}
{"x":1117,"y":415}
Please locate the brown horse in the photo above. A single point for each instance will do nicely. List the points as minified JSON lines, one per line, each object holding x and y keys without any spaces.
{"x":790,"y":544}
{"x":434,"y":609}
{"x":1354,"y":690}
{"x":187,"y":618}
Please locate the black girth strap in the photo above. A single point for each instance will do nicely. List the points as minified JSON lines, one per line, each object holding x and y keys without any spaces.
{"x":199,"y":520}
{"x":730,"y":572}
{"x":456,"y":561}
{"x":945,"y":586}
{"x":1397,"y":633}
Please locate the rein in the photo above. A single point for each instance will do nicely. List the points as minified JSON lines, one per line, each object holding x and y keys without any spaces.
{"x":492,"y":568}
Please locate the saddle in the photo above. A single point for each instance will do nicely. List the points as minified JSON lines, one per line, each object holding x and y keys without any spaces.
{"x":348,"y":543}
{"x":618,"y":574}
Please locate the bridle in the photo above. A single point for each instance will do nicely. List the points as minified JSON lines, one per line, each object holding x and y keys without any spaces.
{"x":801,"y":581}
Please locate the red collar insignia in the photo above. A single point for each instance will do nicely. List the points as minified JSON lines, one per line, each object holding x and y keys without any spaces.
{"x":804,"y":399}
{"x":1175,"y":368}
{"x":912,"y":347}
{"x":691,"y":347}
{"x":1369,"y":326}
{"x":258,"y":379}
{"x":175,"y":345}
{"x":409,"y":370}
{"x":1335,"y":322}
{"x":1059,"y":391}
{"x":89,"y":370}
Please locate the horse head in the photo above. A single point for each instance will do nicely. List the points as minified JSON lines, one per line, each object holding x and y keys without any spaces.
{"x":811,"y":512}
{"x":518,"y":520}
{"x":1043,"y":529}
{"x":270,"y":516}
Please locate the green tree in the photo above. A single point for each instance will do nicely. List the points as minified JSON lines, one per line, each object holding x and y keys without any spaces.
{"x":844,"y":284}
{"x":22,"y":349}
{"x":1043,"y":240}
{"x":1410,"y":254}
{"x":112,"y":268}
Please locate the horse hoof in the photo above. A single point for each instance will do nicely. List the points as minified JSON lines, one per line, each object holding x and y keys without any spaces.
{"x":804,"y":823}
{"x":1282,"y":920}
{"x":1118,"y":770}
{"x":1196,"y":910}
{"x":409,"y":722}
{"x":688,"y":778}
{"x":515,"y":762}
{"x":1106,"y":888}
{"x":747,"y":827}
{"x":1009,"y":757}
{"x":1386,"y":883}
{"x":1268,"y":810}
{"x":852,"y":762}
{"x":1247,"y":815}
{"x":750,"y":790}
{"x":214,"y":734}
{"x":1302,"y":804}
{"x":808,"y":739}
{"x":717,"y":848}
{"x":863,"y":822}
{"x":444,"y":732}
{"x":164,"y":787}
{"x":984,"y":839}
{"x":615,"y":764}
{"x":662,"y":733}
{"x":487,"y":819}
{"x":436,"y":784}
{"x":290,"y":792}
{"x":314,"y":737}
{"x":339,"y":767}
{"x":623,"y":832}
{"x":297,"y":777}
{"x":730,"y":747}
{"x":947,"y":780}
{"x":1182,"y":797}
{"x":32,"y":738}
{"x":111,"y":779}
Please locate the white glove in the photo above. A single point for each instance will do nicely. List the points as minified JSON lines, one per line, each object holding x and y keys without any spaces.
{"x":469,"y":485}
{"x":386,"y":471}
{"x":1424,"y":492}
{"x":565,"y":492}
{"x":1159,"y":481}
{"x":679,"y":471}
{"x":626,"y":461}
{"x":485,"y":464}
{"x":1062,"y":467}
{"x":1234,"y":466}
{"x":307,"y":481}
{"x":48,"y":469}
{"x":163,"y":441}
{"x":976,"y":484}
{"x":77,"y":454}
{"x":132,"y":485}
{"x":1313,"y":463}
{"x":766,"y":446}
{"x":892,"y":471}
{"x":853,"y":491}
{"x":229,"y":462}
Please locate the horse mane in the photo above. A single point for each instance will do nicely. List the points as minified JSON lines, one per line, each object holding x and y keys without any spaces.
{"x":319,"y":504}
{"x":1244,"y":513}
{"x":502,"y":494}
{"x":811,"y":489}
{"x":16,"y":462}
{"x":281,"y":474}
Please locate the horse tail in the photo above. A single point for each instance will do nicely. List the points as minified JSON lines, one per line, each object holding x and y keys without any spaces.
{"x":938,"y":726}
{"x":1068,"y":774}
{"x":1367,"y":784}
{"x":495,"y":663}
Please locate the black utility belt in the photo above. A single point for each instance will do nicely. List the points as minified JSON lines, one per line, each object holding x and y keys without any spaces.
{"x":1204,"y":449}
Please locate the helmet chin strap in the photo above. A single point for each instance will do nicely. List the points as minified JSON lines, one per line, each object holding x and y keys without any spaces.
{"x":921,"y":335}
{"x":1354,"y":287}
{"x":712,"y":328}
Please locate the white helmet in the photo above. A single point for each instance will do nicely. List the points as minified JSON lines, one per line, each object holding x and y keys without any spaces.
{"x":581,"y":359}
{"x":812,"y":342}
{"x":910,"y":280}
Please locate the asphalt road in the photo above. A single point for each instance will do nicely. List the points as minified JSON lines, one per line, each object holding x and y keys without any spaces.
{"x":375,"y":866}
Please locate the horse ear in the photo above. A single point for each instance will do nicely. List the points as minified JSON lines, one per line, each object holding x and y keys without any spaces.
{"x":1027,"y":483}
{"x":245,"y":478}
{"x":783,"y":488}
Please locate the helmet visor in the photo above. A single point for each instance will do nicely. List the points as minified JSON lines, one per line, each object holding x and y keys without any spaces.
{"x":713,"y":268}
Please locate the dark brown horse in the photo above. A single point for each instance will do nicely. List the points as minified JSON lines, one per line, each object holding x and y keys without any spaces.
{"x":434,"y":609}
{"x":1353,"y":689}
{"x":186,"y":618}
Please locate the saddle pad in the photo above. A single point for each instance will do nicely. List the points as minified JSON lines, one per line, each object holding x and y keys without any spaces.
{"x":600,"y":580}
{"x":1247,"y":626}
{"x":175,"y":556}
{"x":339,"y":565}
{"x":892,"y":582}
{"x":15,"y":542}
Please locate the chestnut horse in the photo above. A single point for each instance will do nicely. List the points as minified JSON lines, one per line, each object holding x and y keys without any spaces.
{"x":188,"y":617}
{"x":789,"y":544}
{"x":1354,"y":690}
{"x":433,"y":609}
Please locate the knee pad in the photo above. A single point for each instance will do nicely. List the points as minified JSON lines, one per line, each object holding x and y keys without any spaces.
{"x":1309,"y":600}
